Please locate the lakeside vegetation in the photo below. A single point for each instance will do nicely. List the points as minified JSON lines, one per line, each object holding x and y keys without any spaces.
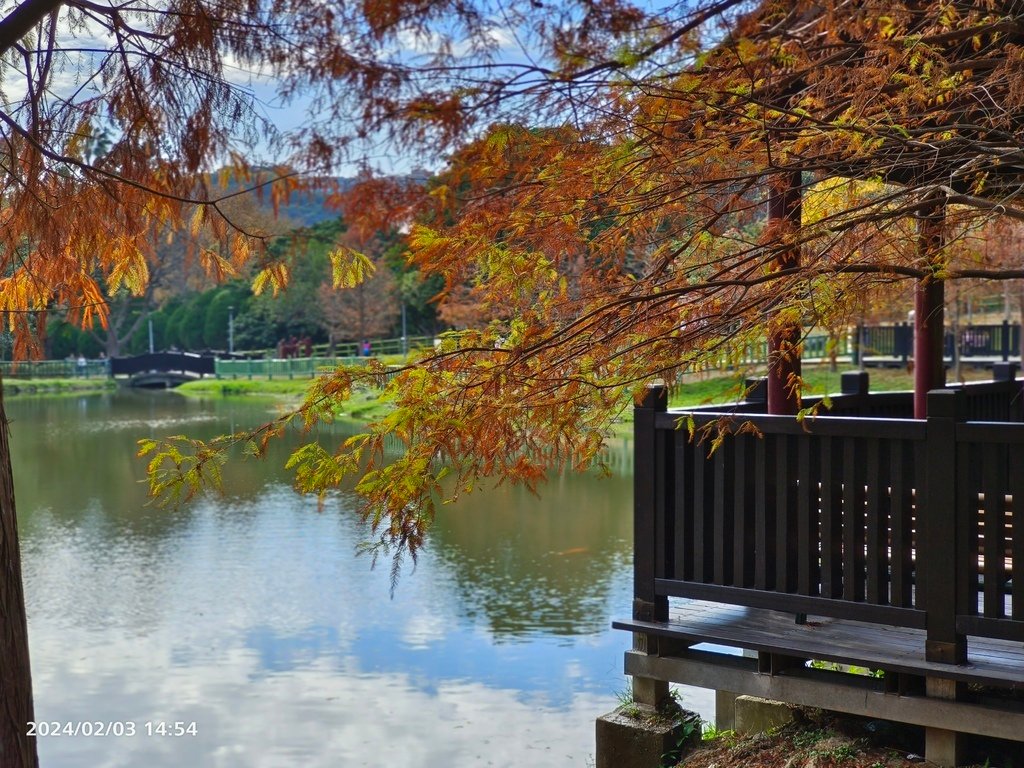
{"x":696,"y":389}
{"x":56,"y":386}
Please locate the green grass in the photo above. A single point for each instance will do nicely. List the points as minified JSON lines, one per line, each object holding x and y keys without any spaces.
{"x":256,"y":386}
{"x":695,"y":389}
{"x":718,"y":388}
{"x":364,"y":405}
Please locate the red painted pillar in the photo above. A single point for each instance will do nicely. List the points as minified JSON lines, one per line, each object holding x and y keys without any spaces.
{"x":929,"y":331}
{"x":784,"y":332}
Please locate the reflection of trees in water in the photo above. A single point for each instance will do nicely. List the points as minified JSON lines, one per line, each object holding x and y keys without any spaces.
{"x":519,"y":561}
{"x":75,"y":455}
{"x":524,"y":563}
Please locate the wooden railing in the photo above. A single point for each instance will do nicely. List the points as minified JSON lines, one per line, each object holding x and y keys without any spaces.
{"x":997,"y":400}
{"x":995,"y":342}
{"x":990,"y":508}
{"x":892,"y":521}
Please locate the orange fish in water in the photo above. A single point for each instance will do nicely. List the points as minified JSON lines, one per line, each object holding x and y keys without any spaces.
{"x":573,"y":551}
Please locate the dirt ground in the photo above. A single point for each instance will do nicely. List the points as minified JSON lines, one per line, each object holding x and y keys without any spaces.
{"x":817,"y":740}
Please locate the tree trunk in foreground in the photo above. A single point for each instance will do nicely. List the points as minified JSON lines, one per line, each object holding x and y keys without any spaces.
{"x":929,"y":300}
{"x":17,"y":749}
{"x":784,"y":336}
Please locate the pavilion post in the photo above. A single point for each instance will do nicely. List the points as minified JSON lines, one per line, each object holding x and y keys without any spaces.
{"x":784,"y":332}
{"x":929,"y":365}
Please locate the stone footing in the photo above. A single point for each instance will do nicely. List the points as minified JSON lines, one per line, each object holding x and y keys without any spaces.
{"x":725,"y":710}
{"x":757,"y":715}
{"x":633,"y":737}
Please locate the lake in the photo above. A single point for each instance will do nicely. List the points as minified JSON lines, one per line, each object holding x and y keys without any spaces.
{"x":251,"y":616}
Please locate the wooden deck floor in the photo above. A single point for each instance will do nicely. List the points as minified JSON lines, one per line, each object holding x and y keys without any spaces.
{"x":873,"y":646}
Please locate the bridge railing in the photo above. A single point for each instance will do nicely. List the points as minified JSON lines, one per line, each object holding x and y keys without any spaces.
{"x":171,"y":362}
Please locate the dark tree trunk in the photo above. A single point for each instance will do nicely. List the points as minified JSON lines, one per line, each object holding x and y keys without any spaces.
{"x":17,"y":749}
{"x":929,"y":332}
{"x":784,"y":213}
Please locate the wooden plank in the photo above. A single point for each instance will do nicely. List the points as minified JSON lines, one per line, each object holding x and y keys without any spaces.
{"x":920,"y":492}
{"x":785,"y":514}
{"x":994,"y":522}
{"x":683,"y":527}
{"x":701,"y":497}
{"x":901,"y":515}
{"x":967,"y":516}
{"x":941,"y":573}
{"x":725,"y":482}
{"x":853,"y":520}
{"x":664,"y":524}
{"x":743,"y":519}
{"x":763,"y":519}
{"x":788,"y":638}
{"x":808,"y":504}
{"x":831,"y":519}
{"x":1002,"y":629}
{"x":781,"y":601}
{"x":646,"y":603}
{"x":826,"y":691}
{"x":1016,"y":470}
{"x":900,"y":649}
{"x":837,"y":426}
{"x":876,"y":523}
{"x":990,"y":432}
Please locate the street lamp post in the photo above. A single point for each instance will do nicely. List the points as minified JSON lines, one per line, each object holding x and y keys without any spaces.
{"x":405,"y":339}
{"x":151,"y":334}
{"x":231,"y":329}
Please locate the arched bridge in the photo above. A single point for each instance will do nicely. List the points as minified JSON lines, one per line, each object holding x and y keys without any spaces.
{"x":163,"y":370}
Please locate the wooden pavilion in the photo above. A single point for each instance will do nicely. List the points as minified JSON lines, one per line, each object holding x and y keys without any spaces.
{"x":885,"y":535}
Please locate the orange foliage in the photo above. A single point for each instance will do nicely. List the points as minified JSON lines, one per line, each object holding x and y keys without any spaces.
{"x":607,"y":166}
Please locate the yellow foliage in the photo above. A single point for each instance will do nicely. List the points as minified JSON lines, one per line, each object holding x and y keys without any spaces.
{"x":274,"y":276}
{"x":349,"y":267}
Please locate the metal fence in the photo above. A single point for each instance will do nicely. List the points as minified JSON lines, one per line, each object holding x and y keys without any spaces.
{"x":54,"y":369}
{"x":289,"y":368}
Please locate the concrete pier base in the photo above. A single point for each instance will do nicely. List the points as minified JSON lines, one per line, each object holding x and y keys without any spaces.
{"x":943,"y":747}
{"x":650,"y":740}
{"x":756,"y":715}
{"x":725,"y":710}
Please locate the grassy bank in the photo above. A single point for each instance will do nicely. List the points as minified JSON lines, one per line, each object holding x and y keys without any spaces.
{"x":277,"y":387}
{"x":820,"y":739}
{"x":22,"y":387}
{"x":365,"y":405}
{"x":695,"y":389}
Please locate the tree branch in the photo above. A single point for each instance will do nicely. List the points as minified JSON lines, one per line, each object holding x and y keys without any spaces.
{"x":19,"y":22}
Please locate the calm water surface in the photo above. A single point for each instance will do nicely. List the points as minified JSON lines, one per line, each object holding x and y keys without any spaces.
{"x":251,"y":616}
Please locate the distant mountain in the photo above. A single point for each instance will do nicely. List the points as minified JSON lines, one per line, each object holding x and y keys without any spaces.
{"x":309,"y":208}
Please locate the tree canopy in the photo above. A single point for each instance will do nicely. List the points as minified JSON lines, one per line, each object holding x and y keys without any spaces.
{"x":604,"y":215}
{"x":627,"y":188}
{"x":630,"y":189}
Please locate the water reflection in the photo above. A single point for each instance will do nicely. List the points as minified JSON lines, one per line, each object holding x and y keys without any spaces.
{"x":251,"y":616}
